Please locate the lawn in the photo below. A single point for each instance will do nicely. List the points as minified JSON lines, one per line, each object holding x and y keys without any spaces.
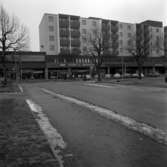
{"x":10,"y":87}
{"x":21,"y":141}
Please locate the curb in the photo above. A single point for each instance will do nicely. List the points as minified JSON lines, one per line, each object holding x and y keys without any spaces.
{"x":55,"y":140}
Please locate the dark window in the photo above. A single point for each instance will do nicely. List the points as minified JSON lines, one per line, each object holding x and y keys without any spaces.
{"x":83,"y":22}
{"x":52,"y":47}
{"x":94,"y":23}
{"x":51,"y":28}
{"x":129,"y":34}
{"x":129,"y":27}
{"x":51,"y":38}
{"x":84,"y":39}
{"x":84,"y":31}
{"x":121,"y":34}
{"x":50,"y":18}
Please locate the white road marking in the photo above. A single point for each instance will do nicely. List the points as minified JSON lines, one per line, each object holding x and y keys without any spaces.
{"x":55,"y":140}
{"x":99,"y":85}
{"x":21,"y":88}
{"x":154,"y":133}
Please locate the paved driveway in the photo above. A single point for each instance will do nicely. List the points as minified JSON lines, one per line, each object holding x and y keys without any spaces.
{"x":96,"y":141}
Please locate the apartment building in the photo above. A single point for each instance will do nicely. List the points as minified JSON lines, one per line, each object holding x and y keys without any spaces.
{"x":49,"y":34}
{"x":127,"y":40}
{"x":150,"y":37}
{"x":165,"y":40}
{"x":69,"y":34}
{"x":90,"y":28}
{"x":60,"y":34}
{"x":110,"y":36}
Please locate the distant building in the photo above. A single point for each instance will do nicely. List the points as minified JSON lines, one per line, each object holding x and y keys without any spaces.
{"x":89,"y":28}
{"x":150,"y":36}
{"x":165,"y":40}
{"x":70,"y":35}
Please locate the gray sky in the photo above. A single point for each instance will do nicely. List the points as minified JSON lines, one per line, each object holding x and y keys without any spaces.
{"x":30,"y":11}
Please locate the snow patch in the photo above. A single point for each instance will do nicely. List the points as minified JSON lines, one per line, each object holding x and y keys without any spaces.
{"x":54,"y":138}
{"x":99,"y":85}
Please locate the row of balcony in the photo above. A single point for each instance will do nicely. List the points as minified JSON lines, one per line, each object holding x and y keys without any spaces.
{"x":66,"y":33}
{"x":73,"y":51}
{"x":67,"y":24}
{"x":66,"y":42}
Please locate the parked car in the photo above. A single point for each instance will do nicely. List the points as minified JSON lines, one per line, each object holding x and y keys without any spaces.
{"x":136,"y":75}
{"x":107,"y":76}
{"x":154,"y":74}
{"x":127,"y":75}
{"x":117,"y":75}
{"x":88,"y":77}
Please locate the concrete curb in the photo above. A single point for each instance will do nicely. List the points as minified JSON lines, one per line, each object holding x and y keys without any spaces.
{"x":55,"y":140}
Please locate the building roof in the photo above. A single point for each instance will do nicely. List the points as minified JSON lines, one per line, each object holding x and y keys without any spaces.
{"x":152,"y":23}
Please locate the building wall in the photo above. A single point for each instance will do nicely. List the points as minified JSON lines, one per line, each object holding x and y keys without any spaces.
{"x":150,"y":36}
{"x":127,"y":40}
{"x":69,"y":34}
{"x":156,"y":41}
{"x":165,"y":40}
{"x":49,"y":34}
{"x":88,"y":29}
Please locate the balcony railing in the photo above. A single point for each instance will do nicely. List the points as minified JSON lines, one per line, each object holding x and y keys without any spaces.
{"x":75,"y":24}
{"x":64,"y":24}
{"x":65,"y":42}
{"x":64,"y":33}
{"x":114,"y":37}
{"x":75,"y":51}
{"x":75,"y":34}
{"x":64,"y":51}
{"x":75,"y":43}
{"x":115,"y":45}
{"x":114,"y":29}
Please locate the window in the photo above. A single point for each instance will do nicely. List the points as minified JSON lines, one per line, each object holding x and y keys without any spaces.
{"x":84,"y":31}
{"x":51,"y":28}
{"x":84,"y":39}
{"x":51,"y":38}
{"x":129,"y":27}
{"x":129,"y":34}
{"x":50,"y":18}
{"x":121,"y":34}
{"x":129,"y":42}
{"x":52,"y":47}
{"x":157,"y":30}
{"x":121,"y":42}
{"x":83,"y":22}
{"x":120,"y":26}
{"x":84,"y":48}
{"x":93,"y":23}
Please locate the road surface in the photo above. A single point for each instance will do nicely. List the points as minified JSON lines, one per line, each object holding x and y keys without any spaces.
{"x":95,"y":141}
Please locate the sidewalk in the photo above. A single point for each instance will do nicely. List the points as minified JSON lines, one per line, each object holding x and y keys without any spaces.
{"x":21,"y":141}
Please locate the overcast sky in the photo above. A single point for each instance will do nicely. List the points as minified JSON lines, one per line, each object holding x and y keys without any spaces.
{"x":30,"y":11}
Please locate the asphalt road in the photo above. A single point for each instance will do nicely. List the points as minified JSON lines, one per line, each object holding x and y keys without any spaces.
{"x":95,"y":141}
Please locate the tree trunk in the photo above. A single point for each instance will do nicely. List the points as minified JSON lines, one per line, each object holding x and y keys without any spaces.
{"x":98,"y":74}
{"x":140,"y":71}
{"x":4,"y":69}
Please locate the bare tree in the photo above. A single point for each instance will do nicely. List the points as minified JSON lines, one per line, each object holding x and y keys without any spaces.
{"x":13,"y":37}
{"x":138,"y":50}
{"x":96,"y":48}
